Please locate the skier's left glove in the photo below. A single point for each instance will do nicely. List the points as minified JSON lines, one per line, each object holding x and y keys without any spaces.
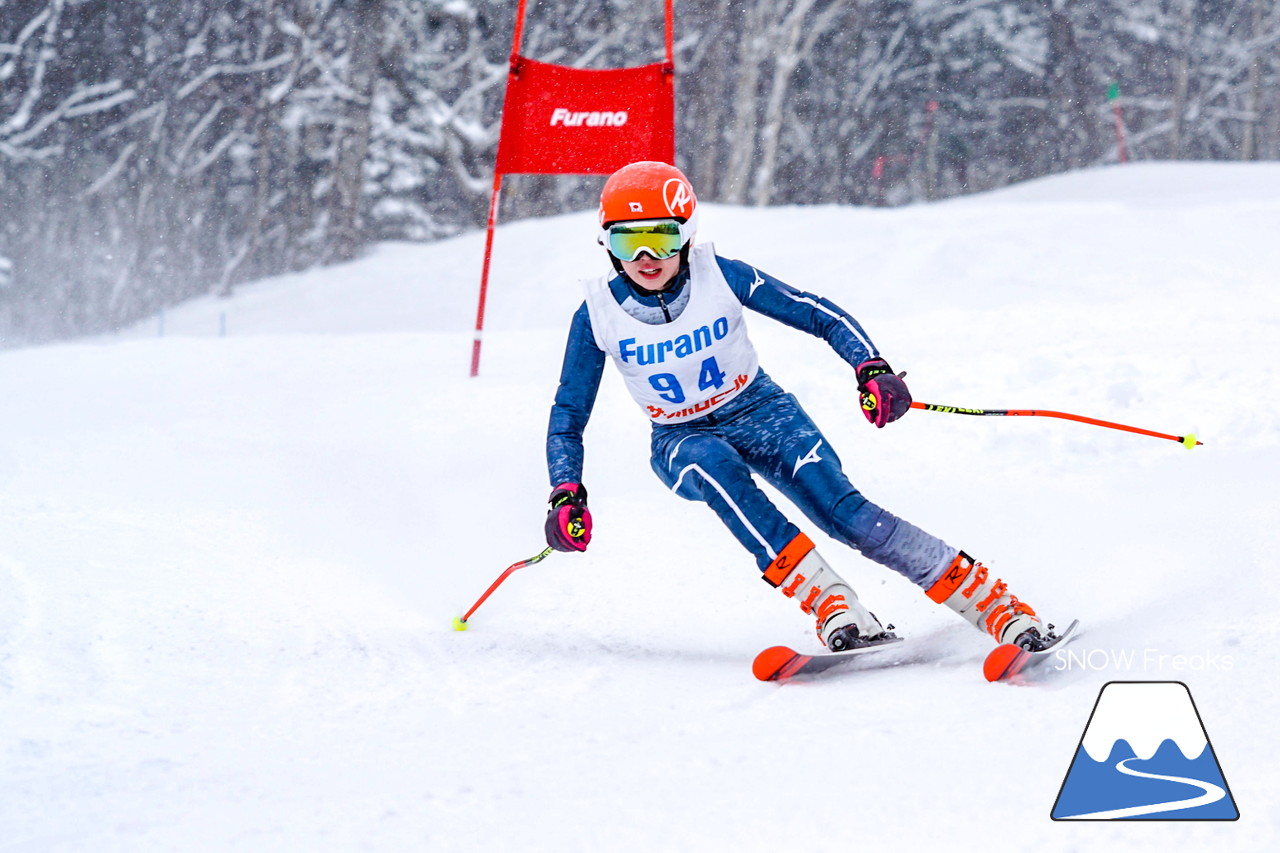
{"x":883,"y":394}
{"x":568,"y":525}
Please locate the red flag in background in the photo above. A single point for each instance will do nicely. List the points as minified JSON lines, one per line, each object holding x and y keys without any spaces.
{"x":558,"y":120}
{"x":575,"y":121}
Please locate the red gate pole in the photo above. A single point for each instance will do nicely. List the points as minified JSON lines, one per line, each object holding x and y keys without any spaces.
{"x":1123,"y":152}
{"x":670,"y":32}
{"x":484,"y":273}
{"x":516,"y":37}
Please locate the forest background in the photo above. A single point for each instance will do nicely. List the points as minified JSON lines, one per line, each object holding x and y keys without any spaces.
{"x":152,"y":152}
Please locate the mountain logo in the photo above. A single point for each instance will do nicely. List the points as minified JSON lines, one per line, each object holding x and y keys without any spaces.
{"x":1145,"y":755}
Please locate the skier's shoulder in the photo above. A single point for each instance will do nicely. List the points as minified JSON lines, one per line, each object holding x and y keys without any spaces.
{"x":743,"y":278}
{"x":618,"y":288}
{"x":581,"y":329}
{"x":731,"y":267}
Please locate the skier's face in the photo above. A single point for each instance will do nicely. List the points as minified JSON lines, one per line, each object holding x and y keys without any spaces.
{"x":650,"y":273}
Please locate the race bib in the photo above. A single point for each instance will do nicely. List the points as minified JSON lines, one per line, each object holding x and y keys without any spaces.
{"x":688,"y":368}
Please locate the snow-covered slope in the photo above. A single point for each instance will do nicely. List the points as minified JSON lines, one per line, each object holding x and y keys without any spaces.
{"x":228,"y":564}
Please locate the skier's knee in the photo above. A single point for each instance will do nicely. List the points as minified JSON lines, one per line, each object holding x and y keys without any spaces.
{"x":903,"y":547}
{"x":860,"y":523}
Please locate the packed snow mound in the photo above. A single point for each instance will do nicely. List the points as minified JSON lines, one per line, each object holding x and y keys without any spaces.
{"x":1182,"y":184}
{"x":538,"y":262}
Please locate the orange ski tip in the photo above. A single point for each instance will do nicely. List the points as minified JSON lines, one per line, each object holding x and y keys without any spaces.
{"x":769,"y":664}
{"x":999,"y":663}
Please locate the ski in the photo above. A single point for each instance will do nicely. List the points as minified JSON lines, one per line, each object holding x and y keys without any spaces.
{"x":782,"y":663}
{"x":1014,"y":663}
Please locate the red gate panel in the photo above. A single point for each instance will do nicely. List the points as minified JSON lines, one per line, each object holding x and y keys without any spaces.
{"x":575,"y":121}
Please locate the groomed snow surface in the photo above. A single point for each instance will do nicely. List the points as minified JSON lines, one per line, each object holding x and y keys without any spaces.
{"x":229,"y":563}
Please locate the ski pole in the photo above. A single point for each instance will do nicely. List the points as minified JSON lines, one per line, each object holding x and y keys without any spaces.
{"x":460,"y":622}
{"x":1188,"y":441}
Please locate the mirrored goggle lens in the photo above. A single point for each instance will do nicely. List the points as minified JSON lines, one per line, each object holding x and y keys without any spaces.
{"x":661,"y":240}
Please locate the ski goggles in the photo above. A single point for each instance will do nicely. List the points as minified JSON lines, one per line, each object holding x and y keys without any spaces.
{"x":660,"y":238}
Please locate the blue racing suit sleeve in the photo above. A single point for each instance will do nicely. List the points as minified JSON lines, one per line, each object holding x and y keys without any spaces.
{"x":575,"y":398}
{"x":804,"y":311}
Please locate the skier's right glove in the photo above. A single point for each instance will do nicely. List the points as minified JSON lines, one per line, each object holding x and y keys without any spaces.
{"x":568,"y":523}
{"x":883,"y":394}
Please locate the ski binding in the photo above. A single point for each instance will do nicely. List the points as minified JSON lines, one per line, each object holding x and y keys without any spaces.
{"x":1006,"y":662}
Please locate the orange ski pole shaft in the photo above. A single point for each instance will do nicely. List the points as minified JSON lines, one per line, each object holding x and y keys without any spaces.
{"x":460,"y":623}
{"x":1188,"y":441}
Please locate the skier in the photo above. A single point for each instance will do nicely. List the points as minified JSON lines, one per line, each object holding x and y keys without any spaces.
{"x":670,"y":317}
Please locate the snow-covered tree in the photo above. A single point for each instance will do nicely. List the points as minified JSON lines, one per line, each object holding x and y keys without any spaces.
{"x":151,"y":152}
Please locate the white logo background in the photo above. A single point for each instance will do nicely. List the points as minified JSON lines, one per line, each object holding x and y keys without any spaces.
{"x":678,"y":197}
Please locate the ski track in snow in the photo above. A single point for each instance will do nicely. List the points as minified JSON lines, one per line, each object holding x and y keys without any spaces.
{"x":228,"y":566}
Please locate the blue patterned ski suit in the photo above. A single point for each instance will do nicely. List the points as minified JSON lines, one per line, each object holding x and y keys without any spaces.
{"x":762,"y":431}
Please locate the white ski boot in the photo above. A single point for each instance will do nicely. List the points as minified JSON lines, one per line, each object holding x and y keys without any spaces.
{"x":842,"y":622}
{"x":984,"y":601}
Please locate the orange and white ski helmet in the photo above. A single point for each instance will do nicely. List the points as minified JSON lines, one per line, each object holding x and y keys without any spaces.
{"x":649,"y":190}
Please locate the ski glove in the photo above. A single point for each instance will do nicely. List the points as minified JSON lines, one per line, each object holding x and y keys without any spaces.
{"x":568,"y":524}
{"x":884,"y":396}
